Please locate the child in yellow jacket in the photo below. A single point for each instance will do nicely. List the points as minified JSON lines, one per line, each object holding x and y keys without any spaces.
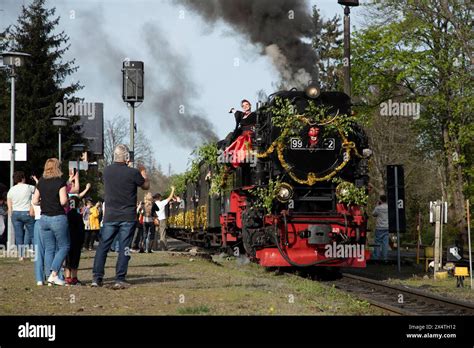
{"x":94,"y":222}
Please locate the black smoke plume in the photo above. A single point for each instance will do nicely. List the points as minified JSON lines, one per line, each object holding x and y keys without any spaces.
{"x":172,"y":92}
{"x":108,"y":52}
{"x":163,"y":102}
{"x":278,"y":26}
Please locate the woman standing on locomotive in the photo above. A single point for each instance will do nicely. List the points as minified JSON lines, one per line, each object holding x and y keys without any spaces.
{"x":244,"y":127}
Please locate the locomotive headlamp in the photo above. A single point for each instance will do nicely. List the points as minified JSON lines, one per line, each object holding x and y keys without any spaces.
{"x":312,"y":91}
{"x":284,"y":192}
{"x":343,"y":189}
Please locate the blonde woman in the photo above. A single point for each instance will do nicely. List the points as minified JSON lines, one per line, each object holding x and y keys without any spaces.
{"x":148,"y":226}
{"x":51,"y":195}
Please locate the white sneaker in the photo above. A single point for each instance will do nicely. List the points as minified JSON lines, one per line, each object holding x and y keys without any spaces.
{"x":39,"y":283}
{"x":55,"y":280}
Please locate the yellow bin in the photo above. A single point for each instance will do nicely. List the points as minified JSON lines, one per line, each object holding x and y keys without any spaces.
{"x":429,"y":251}
{"x":441,"y":275}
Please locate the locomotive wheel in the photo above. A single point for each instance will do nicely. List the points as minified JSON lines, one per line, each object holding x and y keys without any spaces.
{"x":247,"y":242}
{"x":250,"y":219}
{"x":207,"y":243}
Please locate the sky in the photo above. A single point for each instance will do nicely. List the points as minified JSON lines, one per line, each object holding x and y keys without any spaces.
{"x":210,"y":66}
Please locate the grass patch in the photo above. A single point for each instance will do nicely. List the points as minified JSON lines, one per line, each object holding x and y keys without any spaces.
{"x":445,"y":287}
{"x":159,"y":281}
{"x":196,"y":310}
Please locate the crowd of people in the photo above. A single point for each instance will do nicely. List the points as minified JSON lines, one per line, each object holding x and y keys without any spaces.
{"x":58,"y":221}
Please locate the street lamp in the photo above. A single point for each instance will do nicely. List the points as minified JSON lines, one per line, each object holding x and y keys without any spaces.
{"x":59,"y":122}
{"x":12,"y":60}
{"x":347,"y":43}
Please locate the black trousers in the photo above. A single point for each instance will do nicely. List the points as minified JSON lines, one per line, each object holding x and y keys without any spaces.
{"x":89,"y":239}
{"x":138,"y":242}
{"x":148,"y":235}
{"x":3,"y":237}
{"x":76,"y":235}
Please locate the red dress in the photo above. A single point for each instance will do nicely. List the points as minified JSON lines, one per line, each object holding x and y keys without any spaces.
{"x":239,"y":151}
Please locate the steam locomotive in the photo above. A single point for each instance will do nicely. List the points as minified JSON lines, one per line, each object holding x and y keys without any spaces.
{"x":304,"y":176}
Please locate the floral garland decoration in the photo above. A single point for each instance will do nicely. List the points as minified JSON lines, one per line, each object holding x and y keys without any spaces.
{"x":292,"y":125}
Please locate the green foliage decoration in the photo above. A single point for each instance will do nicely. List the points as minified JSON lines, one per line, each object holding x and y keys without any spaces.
{"x":350,"y":194}
{"x":284,"y":116}
{"x":265,"y":195}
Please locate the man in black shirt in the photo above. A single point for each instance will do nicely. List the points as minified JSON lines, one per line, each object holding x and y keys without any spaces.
{"x":120,"y":184}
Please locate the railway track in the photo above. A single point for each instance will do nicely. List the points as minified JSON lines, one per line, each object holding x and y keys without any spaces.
{"x":398,"y":300}
{"x":401,"y":300}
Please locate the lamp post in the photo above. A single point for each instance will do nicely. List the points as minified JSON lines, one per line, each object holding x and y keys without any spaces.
{"x":347,"y":43}
{"x":12,"y":60}
{"x":59,"y":122}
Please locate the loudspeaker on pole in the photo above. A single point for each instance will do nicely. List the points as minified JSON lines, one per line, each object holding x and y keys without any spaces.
{"x":133,"y":81}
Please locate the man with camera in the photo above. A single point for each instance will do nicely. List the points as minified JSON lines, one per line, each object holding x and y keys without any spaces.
{"x":120,"y":186}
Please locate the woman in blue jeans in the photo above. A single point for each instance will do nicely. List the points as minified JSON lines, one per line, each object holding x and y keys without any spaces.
{"x":51,"y":195}
{"x":39,"y":249}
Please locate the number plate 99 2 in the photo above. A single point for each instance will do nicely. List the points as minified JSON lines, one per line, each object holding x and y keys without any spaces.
{"x":328,"y":144}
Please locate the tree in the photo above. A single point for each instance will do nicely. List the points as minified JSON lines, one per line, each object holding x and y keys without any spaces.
{"x":116,"y":131}
{"x":40,"y":85}
{"x":327,"y":42}
{"x":418,"y":51}
{"x":114,"y":134}
{"x":394,"y":141}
